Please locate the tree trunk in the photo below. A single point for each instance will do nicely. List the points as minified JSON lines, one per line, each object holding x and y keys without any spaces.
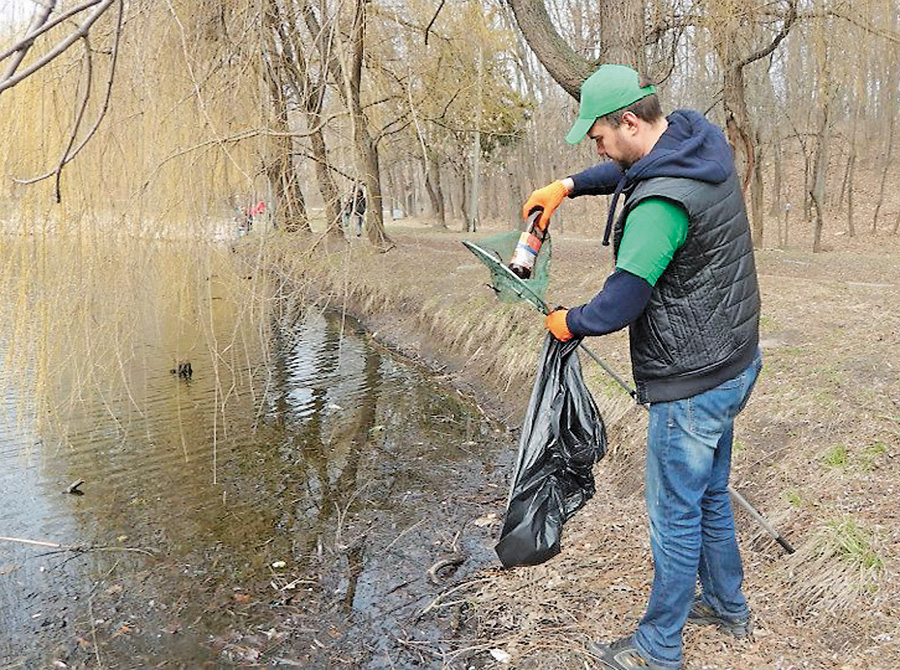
{"x":366,"y":148}
{"x":566,"y":67}
{"x":290,"y":205}
{"x":622,"y":33}
{"x":435,"y":192}
{"x":463,"y":200}
{"x":515,"y":197}
{"x":289,"y":211}
{"x":821,"y":167}
{"x":472,"y":220}
{"x":777,"y":178}
{"x":756,"y":195}
{"x":292,"y":64}
{"x":737,"y":123}
{"x":884,"y":172}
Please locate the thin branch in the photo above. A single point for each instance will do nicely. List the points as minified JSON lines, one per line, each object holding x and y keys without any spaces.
{"x":88,"y":81}
{"x":73,"y":547}
{"x":61,"y":47}
{"x":433,"y":19}
{"x":232,"y":139}
{"x":321,"y":162}
{"x":864,"y":25}
{"x":785,"y":29}
{"x":20,"y":49}
{"x":44,"y":27}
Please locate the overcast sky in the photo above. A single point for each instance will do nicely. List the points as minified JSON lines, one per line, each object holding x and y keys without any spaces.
{"x":16,"y":10}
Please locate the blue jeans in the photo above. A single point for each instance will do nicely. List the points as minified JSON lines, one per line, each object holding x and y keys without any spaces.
{"x":691,"y":521}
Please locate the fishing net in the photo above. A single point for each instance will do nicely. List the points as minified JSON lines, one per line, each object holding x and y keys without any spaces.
{"x":496,"y":251}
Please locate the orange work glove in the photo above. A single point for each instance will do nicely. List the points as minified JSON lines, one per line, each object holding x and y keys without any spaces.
{"x":556,"y":324}
{"x":548,"y":199}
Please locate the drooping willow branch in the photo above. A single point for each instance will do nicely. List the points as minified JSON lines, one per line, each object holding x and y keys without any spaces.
{"x":85,"y":98}
{"x":70,"y":154}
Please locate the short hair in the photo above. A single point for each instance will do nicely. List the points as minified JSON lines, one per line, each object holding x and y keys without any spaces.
{"x":647,"y":109}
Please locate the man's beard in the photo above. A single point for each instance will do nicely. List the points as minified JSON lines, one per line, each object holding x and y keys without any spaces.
{"x":626,"y":161}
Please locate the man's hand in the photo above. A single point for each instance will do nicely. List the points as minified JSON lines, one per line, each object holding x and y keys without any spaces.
{"x":556,"y":324}
{"x":548,"y":199}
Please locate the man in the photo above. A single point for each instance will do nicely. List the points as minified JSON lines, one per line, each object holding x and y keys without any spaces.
{"x":359,"y":209}
{"x":685,"y":284}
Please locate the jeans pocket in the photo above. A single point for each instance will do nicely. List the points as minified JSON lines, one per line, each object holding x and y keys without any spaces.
{"x":713,"y":411}
{"x":752,"y":371}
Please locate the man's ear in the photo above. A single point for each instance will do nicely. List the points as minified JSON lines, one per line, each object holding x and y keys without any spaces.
{"x":630,"y":121}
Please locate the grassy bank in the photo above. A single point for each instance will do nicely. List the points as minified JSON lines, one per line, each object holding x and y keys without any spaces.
{"x":816,"y":449}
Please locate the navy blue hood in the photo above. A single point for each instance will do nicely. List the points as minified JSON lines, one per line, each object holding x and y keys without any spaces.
{"x":691,"y":148}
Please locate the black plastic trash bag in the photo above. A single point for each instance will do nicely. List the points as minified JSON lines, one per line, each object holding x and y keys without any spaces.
{"x":562,"y":437}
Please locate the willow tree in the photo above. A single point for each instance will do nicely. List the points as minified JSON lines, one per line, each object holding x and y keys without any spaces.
{"x":464,"y":106}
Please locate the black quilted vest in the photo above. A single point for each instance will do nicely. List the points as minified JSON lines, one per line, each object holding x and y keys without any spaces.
{"x":701,"y":325}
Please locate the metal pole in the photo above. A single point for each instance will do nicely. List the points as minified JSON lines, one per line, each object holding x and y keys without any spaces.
{"x":752,"y":511}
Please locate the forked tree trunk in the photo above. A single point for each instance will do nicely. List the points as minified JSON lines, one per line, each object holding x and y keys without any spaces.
{"x":286,"y":52}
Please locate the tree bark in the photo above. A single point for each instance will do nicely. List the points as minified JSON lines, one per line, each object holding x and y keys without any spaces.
{"x":566,"y":67}
{"x":310,"y":94}
{"x":435,"y":191}
{"x":290,"y":205}
{"x":622,"y":33}
{"x":756,"y":194}
{"x":821,"y":167}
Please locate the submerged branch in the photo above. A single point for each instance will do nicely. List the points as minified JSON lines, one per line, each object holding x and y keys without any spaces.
{"x":73,"y":547}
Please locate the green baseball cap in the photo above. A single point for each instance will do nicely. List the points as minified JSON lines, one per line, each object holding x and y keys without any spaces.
{"x":610,"y":88}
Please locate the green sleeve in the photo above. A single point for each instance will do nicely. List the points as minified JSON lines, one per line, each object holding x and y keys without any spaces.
{"x":654,"y":230}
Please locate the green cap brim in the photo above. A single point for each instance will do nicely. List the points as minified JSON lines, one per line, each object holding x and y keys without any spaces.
{"x":579,"y":130}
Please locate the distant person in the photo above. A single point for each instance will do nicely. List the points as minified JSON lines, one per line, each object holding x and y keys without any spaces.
{"x":358,"y":210}
{"x":685,"y":284}
{"x":346,"y":211}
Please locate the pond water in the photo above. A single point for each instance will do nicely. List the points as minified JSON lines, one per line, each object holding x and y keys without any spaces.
{"x":290,"y":496}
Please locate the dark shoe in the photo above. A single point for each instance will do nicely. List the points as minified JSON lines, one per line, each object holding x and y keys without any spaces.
{"x":622,"y":655}
{"x":702,"y":614}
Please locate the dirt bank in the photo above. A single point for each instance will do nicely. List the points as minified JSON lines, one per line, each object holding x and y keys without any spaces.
{"x":816,"y":450}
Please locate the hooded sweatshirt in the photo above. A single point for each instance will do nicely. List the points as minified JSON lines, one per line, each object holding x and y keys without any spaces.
{"x":692,"y":148}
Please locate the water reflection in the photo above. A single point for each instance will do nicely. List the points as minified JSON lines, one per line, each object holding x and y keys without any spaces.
{"x":294,"y":490}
